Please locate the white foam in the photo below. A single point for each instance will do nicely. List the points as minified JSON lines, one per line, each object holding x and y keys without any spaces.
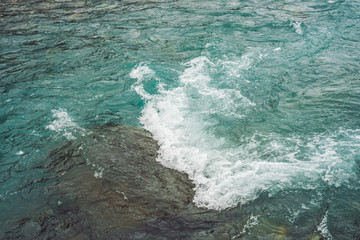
{"x":98,"y":170}
{"x":297,"y":26}
{"x":176,"y":121}
{"x":64,"y":124}
{"x":139,"y":72}
{"x":234,"y":66}
{"x":99,"y":173}
{"x":183,"y":120}
{"x":253,"y":221}
{"x":323,"y":228}
{"x":20,"y":153}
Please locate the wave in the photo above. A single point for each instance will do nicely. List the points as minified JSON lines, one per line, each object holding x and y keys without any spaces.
{"x":187,"y":120}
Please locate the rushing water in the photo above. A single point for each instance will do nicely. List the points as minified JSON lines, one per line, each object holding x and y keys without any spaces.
{"x":252,"y":99}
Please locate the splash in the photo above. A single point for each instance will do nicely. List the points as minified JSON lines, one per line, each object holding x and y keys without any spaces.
{"x":187,"y":121}
{"x":323,"y":228}
{"x":63,"y":124}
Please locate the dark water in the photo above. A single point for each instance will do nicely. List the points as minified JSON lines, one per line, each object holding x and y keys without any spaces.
{"x":257,"y":101}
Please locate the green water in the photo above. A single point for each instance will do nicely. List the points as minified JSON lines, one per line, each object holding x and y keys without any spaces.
{"x":253,"y":99}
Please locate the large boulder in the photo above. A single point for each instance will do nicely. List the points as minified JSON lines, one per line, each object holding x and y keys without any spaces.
{"x":117,"y":182}
{"x":108,"y":185}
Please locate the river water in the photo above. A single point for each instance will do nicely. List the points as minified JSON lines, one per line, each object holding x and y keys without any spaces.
{"x":252,"y":99}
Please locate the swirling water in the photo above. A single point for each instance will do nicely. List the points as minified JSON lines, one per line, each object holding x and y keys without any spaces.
{"x":251,"y":99}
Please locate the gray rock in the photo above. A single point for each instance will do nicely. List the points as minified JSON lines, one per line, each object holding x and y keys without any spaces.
{"x":110,"y":186}
{"x":121,"y":186}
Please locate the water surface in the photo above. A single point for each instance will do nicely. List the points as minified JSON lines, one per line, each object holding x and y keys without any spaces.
{"x":257,"y":101}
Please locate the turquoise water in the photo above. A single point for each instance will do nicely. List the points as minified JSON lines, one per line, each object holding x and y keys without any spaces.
{"x":250,"y":98}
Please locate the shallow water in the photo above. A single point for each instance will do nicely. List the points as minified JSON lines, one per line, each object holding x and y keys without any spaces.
{"x":258,"y":101}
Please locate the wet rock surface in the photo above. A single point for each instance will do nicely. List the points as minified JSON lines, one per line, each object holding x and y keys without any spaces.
{"x":109,"y":186}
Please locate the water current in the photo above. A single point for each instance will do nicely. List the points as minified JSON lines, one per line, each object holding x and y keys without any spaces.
{"x":252,"y":99}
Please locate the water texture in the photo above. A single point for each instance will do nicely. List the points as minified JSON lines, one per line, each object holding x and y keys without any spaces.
{"x":257,"y":101}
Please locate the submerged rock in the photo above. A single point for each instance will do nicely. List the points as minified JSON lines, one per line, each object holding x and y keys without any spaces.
{"x":121,"y":186}
{"x":110,"y":186}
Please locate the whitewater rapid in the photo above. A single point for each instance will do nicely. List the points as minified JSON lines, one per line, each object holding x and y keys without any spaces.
{"x":187,"y":120}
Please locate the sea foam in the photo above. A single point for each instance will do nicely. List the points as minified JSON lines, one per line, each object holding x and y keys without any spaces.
{"x":63,"y":124}
{"x":183,"y":120}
